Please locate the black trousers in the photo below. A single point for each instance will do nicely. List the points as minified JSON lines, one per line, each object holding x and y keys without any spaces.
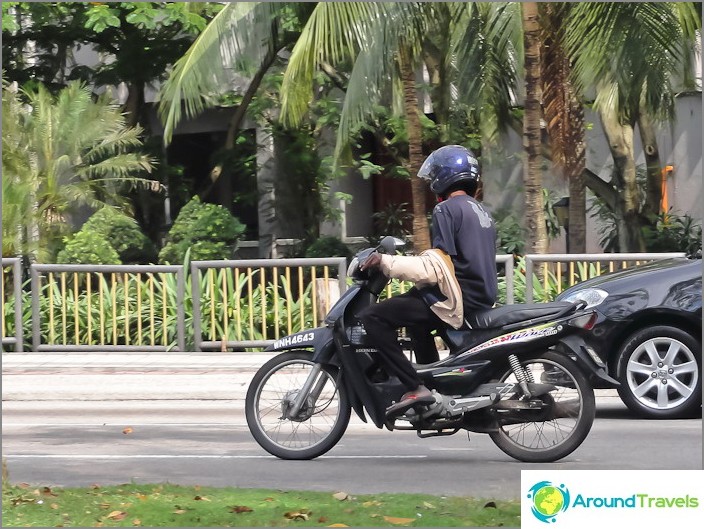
{"x":382,"y":321}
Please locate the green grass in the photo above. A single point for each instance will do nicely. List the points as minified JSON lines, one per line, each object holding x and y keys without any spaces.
{"x":180,"y":506}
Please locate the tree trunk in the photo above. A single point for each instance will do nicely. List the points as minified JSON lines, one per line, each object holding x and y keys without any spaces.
{"x":564,"y":116}
{"x":532,"y":177}
{"x":134,"y":103}
{"x":266,"y":191}
{"x":575,"y":163}
{"x":653,"y":195}
{"x":241,"y":110}
{"x":421,"y":235}
{"x":437,"y":48}
{"x":620,"y":137}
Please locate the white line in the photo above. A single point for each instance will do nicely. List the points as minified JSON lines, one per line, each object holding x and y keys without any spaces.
{"x":190,"y":456}
{"x":113,"y":423}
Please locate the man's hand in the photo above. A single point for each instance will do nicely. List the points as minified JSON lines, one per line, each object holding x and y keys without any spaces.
{"x":373,"y":261}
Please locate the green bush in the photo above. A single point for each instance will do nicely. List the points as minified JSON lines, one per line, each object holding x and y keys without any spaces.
{"x":328,"y":247}
{"x":673,"y":233}
{"x":123,"y":234}
{"x":209,"y":230}
{"x":87,"y":247}
{"x":509,"y":233}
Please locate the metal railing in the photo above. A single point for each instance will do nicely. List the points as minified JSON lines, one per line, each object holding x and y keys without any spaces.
{"x":290,"y":295}
{"x":570,"y":269}
{"x":17,"y":339}
{"x":222,"y":305}
{"x":106,"y":308}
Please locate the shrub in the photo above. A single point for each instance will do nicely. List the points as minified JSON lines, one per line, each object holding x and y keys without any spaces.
{"x":209,"y":230}
{"x":509,"y":233}
{"x":87,"y":247}
{"x":328,"y":247}
{"x":673,"y":233}
{"x":123,"y":234}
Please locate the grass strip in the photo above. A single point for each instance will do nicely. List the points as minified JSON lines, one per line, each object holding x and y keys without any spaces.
{"x":166,"y":505}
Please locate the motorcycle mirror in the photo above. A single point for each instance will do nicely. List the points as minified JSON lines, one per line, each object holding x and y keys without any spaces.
{"x":390,"y":244}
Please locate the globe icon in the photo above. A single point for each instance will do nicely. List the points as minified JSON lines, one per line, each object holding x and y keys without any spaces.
{"x":548,"y":500}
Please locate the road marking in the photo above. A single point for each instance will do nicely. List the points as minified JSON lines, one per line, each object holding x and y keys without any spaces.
{"x":192,"y":456}
{"x":121,"y":423}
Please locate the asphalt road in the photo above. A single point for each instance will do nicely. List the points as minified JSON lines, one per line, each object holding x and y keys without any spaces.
{"x":78,"y":443}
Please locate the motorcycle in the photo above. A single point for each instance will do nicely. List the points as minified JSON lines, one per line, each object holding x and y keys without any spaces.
{"x":520,"y":373}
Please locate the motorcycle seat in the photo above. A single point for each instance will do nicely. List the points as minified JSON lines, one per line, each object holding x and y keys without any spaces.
{"x":510,"y":314}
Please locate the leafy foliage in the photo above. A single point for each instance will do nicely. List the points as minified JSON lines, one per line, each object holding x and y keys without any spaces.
{"x":143,"y":38}
{"x":88,"y":247}
{"x":65,"y":152}
{"x":208,"y":230}
{"x":674,"y":233}
{"x":510,"y":234}
{"x":328,"y":247}
{"x":123,"y":234}
{"x":393,"y":220}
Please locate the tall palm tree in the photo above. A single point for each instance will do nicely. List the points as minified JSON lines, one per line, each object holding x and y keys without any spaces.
{"x":64,"y":152}
{"x":630,"y":52}
{"x":383,"y":42}
{"x":564,"y":117}
{"x":532,"y":136}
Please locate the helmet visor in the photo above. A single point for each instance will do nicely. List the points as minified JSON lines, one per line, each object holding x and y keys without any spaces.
{"x":426,"y":168}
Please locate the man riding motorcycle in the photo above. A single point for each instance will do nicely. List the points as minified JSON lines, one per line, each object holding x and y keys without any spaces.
{"x":454,"y":278}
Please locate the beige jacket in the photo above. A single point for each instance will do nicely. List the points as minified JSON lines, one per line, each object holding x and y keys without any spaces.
{"x":432,"y":267}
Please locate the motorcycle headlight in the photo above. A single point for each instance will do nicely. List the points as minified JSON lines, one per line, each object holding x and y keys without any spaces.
{"x":591,"y":296}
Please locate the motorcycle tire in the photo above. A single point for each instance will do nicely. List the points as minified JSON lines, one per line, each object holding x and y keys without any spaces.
{"x":550,"y":438}
{"x":317,"y":427}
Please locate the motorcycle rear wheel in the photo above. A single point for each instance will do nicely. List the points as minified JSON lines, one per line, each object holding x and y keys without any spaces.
{"x":316,"y":428}
{"x":550,"y":438}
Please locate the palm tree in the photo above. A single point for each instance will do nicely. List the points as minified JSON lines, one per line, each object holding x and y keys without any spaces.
{"x":532,"y":137}
{"x":630,"y":53}
{"x":64,"y":153}
{"x":383,"y":42}
{"x":564,"y":117}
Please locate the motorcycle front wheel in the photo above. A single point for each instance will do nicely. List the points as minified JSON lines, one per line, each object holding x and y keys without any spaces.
{"x":556,"y":430}
{"x":316,"y":427}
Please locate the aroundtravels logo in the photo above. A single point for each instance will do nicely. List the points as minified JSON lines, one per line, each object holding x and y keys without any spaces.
{"x":648,"y":499}
{"x":548,"y":500}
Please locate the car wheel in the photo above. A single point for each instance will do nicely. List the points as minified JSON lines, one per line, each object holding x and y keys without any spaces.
{"x":660,"y":373}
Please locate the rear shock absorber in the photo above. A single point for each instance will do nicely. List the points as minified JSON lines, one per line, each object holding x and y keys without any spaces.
{"x":522,"y":376}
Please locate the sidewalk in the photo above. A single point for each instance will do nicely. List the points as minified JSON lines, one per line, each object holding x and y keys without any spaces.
{"x":137,"y":376}
{"x":128,"y":376}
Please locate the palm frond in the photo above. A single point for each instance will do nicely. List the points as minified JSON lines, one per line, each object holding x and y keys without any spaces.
{"x":487,"y":50}
{"x":336,"y":33}
{"x":239,"y":30}
{"x":636,"y":45}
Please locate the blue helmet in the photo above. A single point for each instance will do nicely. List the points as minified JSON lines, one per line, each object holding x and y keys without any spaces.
{"x":448,"y":166}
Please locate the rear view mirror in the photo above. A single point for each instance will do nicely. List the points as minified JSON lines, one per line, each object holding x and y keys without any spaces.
{"x":389,"y":244}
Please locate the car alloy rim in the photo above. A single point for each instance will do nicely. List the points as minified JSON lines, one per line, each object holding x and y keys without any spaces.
{"x":662,"y":373}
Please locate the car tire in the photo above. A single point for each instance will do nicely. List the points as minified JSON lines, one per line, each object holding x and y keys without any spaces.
{"x":660,"y":371}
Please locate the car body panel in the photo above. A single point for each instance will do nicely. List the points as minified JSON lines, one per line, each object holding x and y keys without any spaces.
{"x":661,"y":292}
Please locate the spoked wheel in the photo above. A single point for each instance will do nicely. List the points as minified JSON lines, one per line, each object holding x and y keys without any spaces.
{"x":553,"y":425}
{"x":321,"y":419}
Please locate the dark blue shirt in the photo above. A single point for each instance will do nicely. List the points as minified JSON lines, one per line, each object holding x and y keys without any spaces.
{"x":466,"y":232}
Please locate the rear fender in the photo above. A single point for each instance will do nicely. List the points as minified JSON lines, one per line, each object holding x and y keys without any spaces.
{"x":591,"y":364}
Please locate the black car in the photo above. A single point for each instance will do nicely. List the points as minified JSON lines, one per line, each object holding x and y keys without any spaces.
{"x":649,"y":334}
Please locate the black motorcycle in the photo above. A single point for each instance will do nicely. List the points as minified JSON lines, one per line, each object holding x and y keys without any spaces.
{"x":521,"y":374}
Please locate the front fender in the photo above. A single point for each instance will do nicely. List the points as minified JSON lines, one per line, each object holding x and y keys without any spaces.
{"x":318,"y":339}
{"x":309,"y":339}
